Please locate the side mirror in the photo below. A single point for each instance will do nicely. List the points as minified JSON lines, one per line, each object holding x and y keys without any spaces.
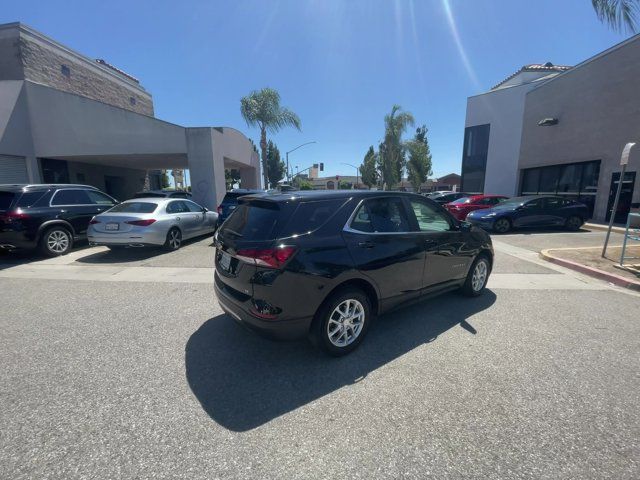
{"x":205,"y":209}
{"x":465,"y":226}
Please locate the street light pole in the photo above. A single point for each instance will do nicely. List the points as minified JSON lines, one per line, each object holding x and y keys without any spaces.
{"x":357,"y":172}
{"x":293,"y":150}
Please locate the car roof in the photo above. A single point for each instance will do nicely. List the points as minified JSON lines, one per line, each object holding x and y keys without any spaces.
{"x":308,"y":195}
{"x":21,"y":187}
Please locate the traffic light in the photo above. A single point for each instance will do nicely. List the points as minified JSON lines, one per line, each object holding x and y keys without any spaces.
{"x":322,"y":167}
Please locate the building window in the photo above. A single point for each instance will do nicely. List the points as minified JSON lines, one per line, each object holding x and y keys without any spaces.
{"x":65,"y":70}
{"x":474,"y":158}
{"x":132,"y":101}
{"x":578,"y":181}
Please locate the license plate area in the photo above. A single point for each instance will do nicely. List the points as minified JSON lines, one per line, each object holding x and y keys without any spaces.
{"x":225,"y":261}
{"x":112,"y":226}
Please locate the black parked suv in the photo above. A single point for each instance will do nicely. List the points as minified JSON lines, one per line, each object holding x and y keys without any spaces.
{"x":49,"y":217}
{"x":324,"y":264}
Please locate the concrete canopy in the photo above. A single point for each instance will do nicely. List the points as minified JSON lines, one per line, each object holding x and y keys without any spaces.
{"x":37,"y":121}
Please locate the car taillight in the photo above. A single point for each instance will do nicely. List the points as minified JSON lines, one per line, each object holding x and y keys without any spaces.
{"x":93,"y":221}
{"x":15,"y":215}
{"x":141,"y":223}
{"x":267,"y":257}
{"x":219,"y":209}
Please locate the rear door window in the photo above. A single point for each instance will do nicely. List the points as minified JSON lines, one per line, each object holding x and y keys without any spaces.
{"x":381,"y":215}
{"x":256,"y":220}
{"x":177,"y":207}
{"x":310,"y":216}
{"x":71,"y":197}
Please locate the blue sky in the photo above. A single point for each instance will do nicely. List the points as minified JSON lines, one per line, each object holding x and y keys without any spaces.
{"x":340,"y":65}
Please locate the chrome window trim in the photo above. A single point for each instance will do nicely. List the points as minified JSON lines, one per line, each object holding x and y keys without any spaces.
{"x":79,"y":204}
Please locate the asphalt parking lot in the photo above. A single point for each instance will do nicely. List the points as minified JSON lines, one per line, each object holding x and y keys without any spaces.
{"x":122,"y":365}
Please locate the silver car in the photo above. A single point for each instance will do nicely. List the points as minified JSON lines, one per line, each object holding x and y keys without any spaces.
{"x":145,"y":222}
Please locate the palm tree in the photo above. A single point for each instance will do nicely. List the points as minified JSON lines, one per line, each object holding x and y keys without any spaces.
{"x":392,"y":149}
{"x":618,"y":14}
{"x":262,"y":108}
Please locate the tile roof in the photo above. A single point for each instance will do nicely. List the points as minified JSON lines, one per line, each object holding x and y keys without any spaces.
{"x":116,"y":69}
{"x":535,"y":67}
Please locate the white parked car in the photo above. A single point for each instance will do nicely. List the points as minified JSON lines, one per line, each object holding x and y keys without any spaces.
{"x":143,"y":222}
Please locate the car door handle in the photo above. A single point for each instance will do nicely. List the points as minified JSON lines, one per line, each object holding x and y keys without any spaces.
{"x":366,"y":244}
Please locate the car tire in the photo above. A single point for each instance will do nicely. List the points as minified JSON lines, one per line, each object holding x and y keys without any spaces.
{"x":477,"y":277}
{"x":342,"y":322}
{"x":56,"y":241}
{"x":573,"y":223}
{"x":502,"y":225}
{"x":174,"y":239}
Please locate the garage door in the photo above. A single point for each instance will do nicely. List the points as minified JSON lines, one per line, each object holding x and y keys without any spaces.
{"x":13,"y":170}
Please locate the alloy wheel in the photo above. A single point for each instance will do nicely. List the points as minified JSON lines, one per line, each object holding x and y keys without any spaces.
{"x":501,"y":225}
{"x":175,"y":239}
{"x":479,"y":275}
{"x":345,"y":323}
{"x":58,"y":241}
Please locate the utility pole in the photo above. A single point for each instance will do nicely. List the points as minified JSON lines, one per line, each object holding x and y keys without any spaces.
{"x":287,"y":156}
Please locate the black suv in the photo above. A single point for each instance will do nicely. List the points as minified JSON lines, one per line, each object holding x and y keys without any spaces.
{"x":48,"y":217}
{"x":324,"y":264}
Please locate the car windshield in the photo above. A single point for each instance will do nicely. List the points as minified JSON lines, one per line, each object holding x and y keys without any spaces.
{"x":462,"y":200}
{"x":134,"y":207}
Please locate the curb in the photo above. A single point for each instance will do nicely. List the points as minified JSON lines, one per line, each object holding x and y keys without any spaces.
{"x":604,"y":228}
{"x":590,"y":271}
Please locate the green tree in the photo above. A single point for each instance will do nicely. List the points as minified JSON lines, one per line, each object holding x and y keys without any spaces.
{"x":275,"y":165}
{"x":392,"y":150}
{"x":304,"y":184}
{"x":231,"y":177}
{"x":344,"y":185}
{"x":262,"y":108}
{"x":618,"y":14}
{"x":368,"y":169}
{"x":164,"y":179}
{"x":419,"y":163}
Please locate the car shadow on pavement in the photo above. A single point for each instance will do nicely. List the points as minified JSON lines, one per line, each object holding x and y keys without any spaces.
{"x":244,"y":381}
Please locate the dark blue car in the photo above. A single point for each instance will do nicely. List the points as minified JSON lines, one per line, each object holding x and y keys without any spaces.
{"x":230,"y":202}
{"x":531,"y":212}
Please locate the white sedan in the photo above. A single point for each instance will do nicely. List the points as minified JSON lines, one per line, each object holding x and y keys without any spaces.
{"x":145,"y":222}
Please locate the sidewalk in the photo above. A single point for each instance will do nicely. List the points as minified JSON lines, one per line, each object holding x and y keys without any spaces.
{"x":588,"y":260}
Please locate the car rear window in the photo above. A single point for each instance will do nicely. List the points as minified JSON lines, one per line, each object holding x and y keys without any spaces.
{"x":310,"y":216}
{"x":5,"y":200}
{"x":256,"y":220}
{"x":149,"y":195}
{"x":134,"y":207}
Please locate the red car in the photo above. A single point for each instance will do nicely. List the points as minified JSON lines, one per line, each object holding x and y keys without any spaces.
{"x":460,"y":208}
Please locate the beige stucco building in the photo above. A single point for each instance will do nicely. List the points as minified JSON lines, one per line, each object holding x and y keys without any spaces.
{"x":66,"y":118}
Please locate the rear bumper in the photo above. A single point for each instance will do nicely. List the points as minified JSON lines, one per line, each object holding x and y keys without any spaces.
{"x":125,"y":239}
{"x":277,"y":329}
{"x":10,"y":240}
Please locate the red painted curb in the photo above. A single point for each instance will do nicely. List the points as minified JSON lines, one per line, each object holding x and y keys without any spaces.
{"x":592,"y":272}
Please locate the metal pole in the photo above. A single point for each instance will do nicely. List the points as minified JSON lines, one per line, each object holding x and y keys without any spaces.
{"x":288,"y":175}
{"x":614,"y":210}
{"x":624,"y":160}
